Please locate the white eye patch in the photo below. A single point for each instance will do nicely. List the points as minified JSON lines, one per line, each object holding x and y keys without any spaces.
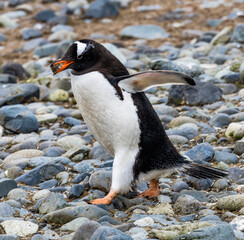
{"x":80,"y":48}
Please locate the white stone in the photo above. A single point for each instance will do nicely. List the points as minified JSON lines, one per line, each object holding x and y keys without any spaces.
{"x":47,"y":109}
{"x":17,"y":193}
{"x":49,"y":117}
{"x":138,"y":233}
{"x":1,"y":131}
{"x":26,"y":153}
{"x":70,"y":142}
{"x":241,"y":93}
{"x":143,"y":222}
{"x":41,"y":194}
{"x":63,"y":177}
{"x":19,"y":227}
{"x":74,"y":225}
{"x":238,"y":223}
{"x":62,"y":35}
{"x":235,"y":130}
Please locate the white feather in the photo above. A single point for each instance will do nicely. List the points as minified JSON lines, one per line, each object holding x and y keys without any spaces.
{"x":80,"y":47}
{"x":113,"y":122}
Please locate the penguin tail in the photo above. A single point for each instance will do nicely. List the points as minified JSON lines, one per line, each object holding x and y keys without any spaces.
{"x":200,"y":171}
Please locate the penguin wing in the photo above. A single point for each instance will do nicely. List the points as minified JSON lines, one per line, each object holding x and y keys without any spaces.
{"x":142,"y":81}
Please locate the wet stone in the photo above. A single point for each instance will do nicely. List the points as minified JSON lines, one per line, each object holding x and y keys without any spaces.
{"x":101,"y":9}
{"x":178,"y":186}
{"x":14,"y":172}
{"x":203,"y":152}
{"x":225,"y":157}
{"x":220,"y":120}
{"x":86,"y":230}
{"x":109,"y":233}
{"x":202,"y":93}
{"x":18,"y":93}
{"x":7,"y":78}
{"x":16,"y":70}
{"x":18,"y":118}
{"x":6,"y":210}
{"x":29,"y":33}
{"x":76,"y":191}
{"x":144,"y":31}
{"x":53,"y":152}
{"x":48,"y":184}
{"x":41,"y":173}
{"x":6,"y":185}
{"x":52,"y":202}
{"x":101,"y":180}
{"x":45,"y":15}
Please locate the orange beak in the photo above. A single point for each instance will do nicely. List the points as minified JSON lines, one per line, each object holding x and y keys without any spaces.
{"x":60,"y":65}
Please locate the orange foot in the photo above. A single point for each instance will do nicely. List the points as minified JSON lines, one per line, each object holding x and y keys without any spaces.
{"x":101,"y":201}
{"x":152,"y":191}
{"x":107,"y":199}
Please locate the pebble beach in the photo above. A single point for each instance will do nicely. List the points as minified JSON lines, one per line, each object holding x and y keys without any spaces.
{"x":51,"y":165}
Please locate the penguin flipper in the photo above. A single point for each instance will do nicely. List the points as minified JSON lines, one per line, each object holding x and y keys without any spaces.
{"x":142,"y":81}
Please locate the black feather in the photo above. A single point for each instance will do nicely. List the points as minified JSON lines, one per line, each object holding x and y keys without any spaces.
{"x":200,"y":171}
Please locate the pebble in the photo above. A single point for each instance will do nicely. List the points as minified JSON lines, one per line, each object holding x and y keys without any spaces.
{"x":238,"y":34}
{"x":18,"y":93}
{"x":101,"y":180}
{"x":11,"y":159}
{"x":225,"y":157}
{"x":65,"y":215}
{"x":39,"y":174}
{"x":178,"y":140}
{"x":178,"y":186}
{"x":231,"y":203}
{"x":75,"y":224}
{"x":52,"y":202}
{"x":55,"y":169}
{"x":6,"y":210}
{"x":201,"y":152}
{"x":6,"y":185}
{"x":202,"y":93}
{"x":220,"y":120}
{"x":76,"y":191}
{"x":46,"y":118}
{"x":218,"y":232}
{"x":18,"y":118}
{"x":221,"y":184}
{"x":19,"y":227}
{"x":144,"y":31}
{"x":102,"y":9}
{"x":45,"y":15}
{"x":16,"y":70}
{"x":7,"y":78}
{"x":109,"y":233}
{"x":235,"y":130}
{"x":28,"y":33}
{"x":17,"y":193}
{"x":186,"y":204}
{"x":185,"y":130}
{"x":86,"y":230}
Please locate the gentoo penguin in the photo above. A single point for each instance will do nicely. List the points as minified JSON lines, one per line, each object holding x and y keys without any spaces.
{"x":123,"y":121}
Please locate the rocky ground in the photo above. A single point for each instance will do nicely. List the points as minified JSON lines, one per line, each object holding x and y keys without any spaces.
{"x":51,"y":165}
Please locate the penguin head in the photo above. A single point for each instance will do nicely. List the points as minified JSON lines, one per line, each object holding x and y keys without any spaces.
{"x":80,"y":56}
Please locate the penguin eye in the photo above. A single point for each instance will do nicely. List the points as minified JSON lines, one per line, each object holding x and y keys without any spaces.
{"x":79,"y":57}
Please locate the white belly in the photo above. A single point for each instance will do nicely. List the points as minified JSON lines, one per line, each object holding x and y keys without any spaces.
{"x":113,"y":122}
